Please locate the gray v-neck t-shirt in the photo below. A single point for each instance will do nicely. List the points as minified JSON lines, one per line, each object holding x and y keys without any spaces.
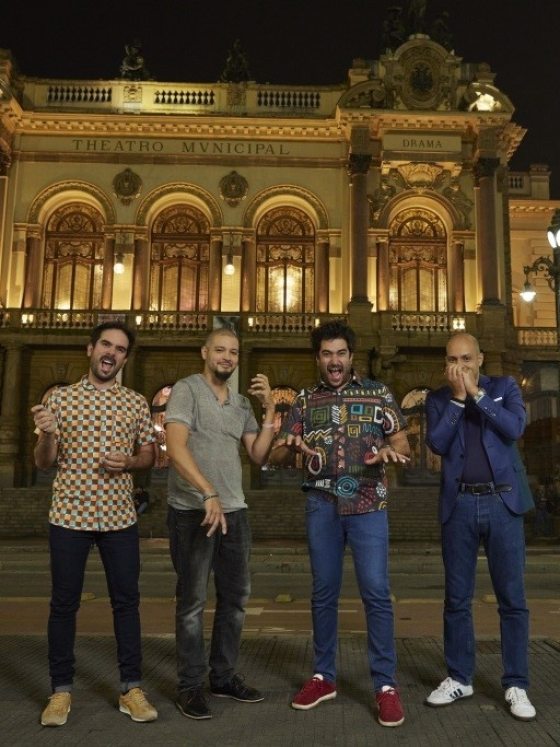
{"x":214,"y":441}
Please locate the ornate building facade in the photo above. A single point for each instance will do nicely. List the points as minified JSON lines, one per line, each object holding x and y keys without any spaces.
{"x":180,"y":207}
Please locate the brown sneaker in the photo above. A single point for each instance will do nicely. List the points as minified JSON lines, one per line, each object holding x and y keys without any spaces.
{"x":135,"y":704}
{"x":57,"y":710}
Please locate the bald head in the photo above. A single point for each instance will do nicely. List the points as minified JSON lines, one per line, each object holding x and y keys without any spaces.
{"x":222,"y":331}
{"x":465,"y":338}
{"x":463,"y":354}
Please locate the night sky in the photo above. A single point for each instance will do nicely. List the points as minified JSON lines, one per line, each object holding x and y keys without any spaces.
{"x":295,"y":42}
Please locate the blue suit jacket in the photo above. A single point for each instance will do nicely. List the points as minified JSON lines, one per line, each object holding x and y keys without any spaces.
{"x":503,"y":422}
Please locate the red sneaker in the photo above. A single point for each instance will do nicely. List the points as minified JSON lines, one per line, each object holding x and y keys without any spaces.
{"x":314,"y":691}
{"x":389,"y":706}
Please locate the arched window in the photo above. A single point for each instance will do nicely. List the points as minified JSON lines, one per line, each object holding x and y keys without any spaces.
{"x":283,"y":397}
{"x":285,"y":262}
{"x":180,"y":258}
{"x":74,"y":248}
{"x":159,"y":405}
{"x":418,"y":262}
{"x":423,"y":462}
{"x":46,"y":476}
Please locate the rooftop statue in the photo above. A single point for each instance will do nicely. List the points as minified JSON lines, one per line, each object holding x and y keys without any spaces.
{"x":416,"y":16}
{"x":236,"y":69}
{"x":132,"y":66}
{"x":394,"y":31}
{"x":440,"y":31}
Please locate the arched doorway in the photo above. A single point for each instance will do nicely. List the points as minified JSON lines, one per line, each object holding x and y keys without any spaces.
{"x":425,"y":466}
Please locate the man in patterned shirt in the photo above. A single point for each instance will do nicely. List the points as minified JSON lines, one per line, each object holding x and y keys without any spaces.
{"x":96,"y":431}
{"x":348,"y":428}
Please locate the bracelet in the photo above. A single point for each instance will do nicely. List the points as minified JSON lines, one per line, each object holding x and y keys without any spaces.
{"x":208,"y":496}
{"x":268,"y":425}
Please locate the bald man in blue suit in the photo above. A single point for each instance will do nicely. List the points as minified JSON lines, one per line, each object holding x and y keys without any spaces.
{"x":473,"y":424}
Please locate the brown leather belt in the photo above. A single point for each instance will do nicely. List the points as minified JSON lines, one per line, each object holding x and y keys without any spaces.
{"x":483,"y":488}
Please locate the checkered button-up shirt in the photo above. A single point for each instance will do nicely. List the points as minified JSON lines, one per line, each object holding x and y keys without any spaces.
{"x":90,"y":423}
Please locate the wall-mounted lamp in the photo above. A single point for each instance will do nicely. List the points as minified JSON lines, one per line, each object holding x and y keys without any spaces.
{"x":229,"y":268}
{"x":528,"y":293}
{"x":118,"y":267}
{"x":553,"y":231}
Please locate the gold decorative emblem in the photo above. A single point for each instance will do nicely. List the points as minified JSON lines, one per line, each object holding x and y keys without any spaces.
{"x":127,"y":186}
{"x":233,"y":188}
{"x":424,"y":82}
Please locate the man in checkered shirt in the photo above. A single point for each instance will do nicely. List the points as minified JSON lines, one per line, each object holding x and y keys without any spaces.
{"x":96,"y":431}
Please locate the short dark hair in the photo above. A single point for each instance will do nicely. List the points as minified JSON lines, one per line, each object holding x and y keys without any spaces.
{"x":96,"y":333}
{"x":333,"y":330}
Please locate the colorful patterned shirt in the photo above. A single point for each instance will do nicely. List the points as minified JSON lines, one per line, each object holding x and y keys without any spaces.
{"x":90,"y":423}
{"x":343,"y":426}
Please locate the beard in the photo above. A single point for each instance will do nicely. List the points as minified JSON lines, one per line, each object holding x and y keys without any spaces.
{"x":223,"y":375}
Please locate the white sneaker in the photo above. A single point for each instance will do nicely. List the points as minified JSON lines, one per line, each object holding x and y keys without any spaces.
{"x":448,"y":692}
{"x":519,"y":704}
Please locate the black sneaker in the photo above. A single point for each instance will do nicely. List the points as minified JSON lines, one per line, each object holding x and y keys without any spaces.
{"x":192,"y":704}
{"x":237,"y":690}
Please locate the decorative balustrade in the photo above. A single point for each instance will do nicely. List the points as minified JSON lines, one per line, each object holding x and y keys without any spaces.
{"x":253,"y":324}
{"x":189,"y":97}
{"x":427,"y":322}
{"x":299,"y":324}
{"x":169,"y":98}
{"x":173,"y":320}
{"x":537,"y":336}
{"x":290,"y":99}
{"x":79,"y":94}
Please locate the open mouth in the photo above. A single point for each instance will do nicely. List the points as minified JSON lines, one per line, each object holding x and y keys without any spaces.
{"x":107,"y":364}
{"x":335,"y":374}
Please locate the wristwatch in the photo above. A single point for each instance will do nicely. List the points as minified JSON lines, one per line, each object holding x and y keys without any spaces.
{"x":479,"y":395}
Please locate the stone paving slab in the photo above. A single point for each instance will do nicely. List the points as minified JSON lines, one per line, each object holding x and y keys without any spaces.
{"x":277,"y":665}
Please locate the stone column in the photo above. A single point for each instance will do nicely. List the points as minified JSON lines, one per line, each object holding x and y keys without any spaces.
{"x":130,"y":377}
{"x":358,"y":167}
{"x":487,"y":250}
{"x":33,"y":277}
{"x":383,"y":276}
{"x":457,"y":276}
{"x":215,"y":275}
{"x":141,"y":282}
{"x":108,"y":269}
{"x":12,"y":417}
{"x":249,"y":275}
{"x":322,"y":276}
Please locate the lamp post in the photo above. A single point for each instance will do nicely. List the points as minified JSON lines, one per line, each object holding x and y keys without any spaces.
{"x":550,"y":268}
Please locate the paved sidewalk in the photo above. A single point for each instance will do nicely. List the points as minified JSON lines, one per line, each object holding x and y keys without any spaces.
{"x":277,"y":665}
{"x":276,"y":657}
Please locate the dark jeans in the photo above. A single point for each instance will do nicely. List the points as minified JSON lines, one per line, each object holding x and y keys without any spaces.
{"x":485,"y":518}
{"x":328,"y":535}
{"x":120,"y":554}
{"x":194,"y":557}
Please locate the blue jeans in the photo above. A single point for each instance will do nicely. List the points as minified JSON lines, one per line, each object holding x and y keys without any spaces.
{"x":194,"y":557}
{"x":367,"y":536}
{"x":120,"y":554}
{"x":486,"y":518}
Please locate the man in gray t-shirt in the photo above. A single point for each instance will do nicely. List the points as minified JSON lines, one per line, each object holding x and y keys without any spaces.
{"x":215,"y":433}
{"x":206,"y":423}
